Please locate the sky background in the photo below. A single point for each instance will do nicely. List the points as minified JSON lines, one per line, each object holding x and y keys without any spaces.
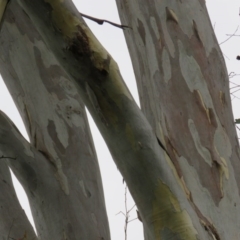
{"x":225,"y":18}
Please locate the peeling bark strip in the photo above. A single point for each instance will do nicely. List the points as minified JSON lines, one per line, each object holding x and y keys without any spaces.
{"x":184,"y":92}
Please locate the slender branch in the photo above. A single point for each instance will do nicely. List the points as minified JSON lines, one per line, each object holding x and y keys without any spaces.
{"x":234,"y":35}
{"x":121,"y":213}
{"x":233,"y":74}
{"x":101,"y":21}
{"x":127,"y":214}
{"x":132,"y":220}
{"x":229,"y":36}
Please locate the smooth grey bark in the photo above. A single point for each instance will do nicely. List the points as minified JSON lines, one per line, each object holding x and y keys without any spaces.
{"x":184,"y":93}
{"x":14,"y":222}
{"x":150,"y":175}
{"x":58,"y":168}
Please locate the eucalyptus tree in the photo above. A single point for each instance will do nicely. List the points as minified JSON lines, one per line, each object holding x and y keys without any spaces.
{"x":179,"y":155}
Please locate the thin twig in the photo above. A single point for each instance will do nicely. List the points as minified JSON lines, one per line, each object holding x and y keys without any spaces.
{"x":127,"y":214}
{"x":132,"y":220}
{"x":235,"y":91}
{"x":229,"y":37}
{"x":234,"y":96}
{"x":121,"y":213}
{"x":101,"y":21}
{"x":234,"y":35}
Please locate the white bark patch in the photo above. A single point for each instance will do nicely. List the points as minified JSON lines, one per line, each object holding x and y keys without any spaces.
{"x":30,"y":85}
{"x":151,"y":54}
{"x":193,"y":76}
{"x":166,"y":34}
{"x":201,"y":149}
{"x":62,"y":132}
{"x":47,"y":56}
{"x":67,"y":86}
{"x":62,"y":179}
{"x":155,"y":28}
{"x":200,"y":195}
{"x":83,"y":188}
{"x":190,"y":70}
{"x":204,"y":107}
{"x":166,"y":65}
{"x":94,"y":219}
{"x":69,"y":110}
{"x":223,"y":148}
{"x":228,"y":207}
{"x":186,"y":16}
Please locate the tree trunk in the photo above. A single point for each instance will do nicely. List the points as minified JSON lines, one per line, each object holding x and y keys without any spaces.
{"x":180,"y":165}
{"x":184,"y":93}
{"x":58,"y":168}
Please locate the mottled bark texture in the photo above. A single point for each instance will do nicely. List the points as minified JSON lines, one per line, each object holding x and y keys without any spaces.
{"x":184,"y":93}
{"x":188,"y":191}
{"x":58,"y":168}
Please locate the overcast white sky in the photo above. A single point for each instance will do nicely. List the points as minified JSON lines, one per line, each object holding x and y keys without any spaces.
{"x":225,"y":17}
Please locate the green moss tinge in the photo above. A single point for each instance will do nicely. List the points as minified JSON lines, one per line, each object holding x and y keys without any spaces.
{"x":169,"y":220}
{"x":63,"y":19}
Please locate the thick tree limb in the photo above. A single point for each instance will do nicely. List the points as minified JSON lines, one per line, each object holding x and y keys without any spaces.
{"x":61,"y":168}
{"x":185,"y":97}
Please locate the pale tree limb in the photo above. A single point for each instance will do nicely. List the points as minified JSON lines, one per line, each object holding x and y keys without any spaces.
{"x":59,"y":168}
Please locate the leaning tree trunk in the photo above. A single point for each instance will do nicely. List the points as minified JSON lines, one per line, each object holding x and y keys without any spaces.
{"x":184,"y":93}
{"x":58,"y":168}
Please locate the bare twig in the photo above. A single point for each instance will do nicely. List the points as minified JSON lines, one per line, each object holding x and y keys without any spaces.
{"x":234,"y":35}
{"x":233,"y":74}
{"x":229,"y":36}
{"x":121,"y":213}
{"x":101,"y":21}
{"x":235,"y":91}
{"x":127,"y":214}
{"x":234,"y":96}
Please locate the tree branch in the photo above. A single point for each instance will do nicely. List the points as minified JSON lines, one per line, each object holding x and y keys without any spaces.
{"x":101,"y":21}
